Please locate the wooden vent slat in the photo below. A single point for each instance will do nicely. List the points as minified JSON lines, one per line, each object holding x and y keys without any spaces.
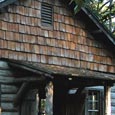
{"x":46,"y":14}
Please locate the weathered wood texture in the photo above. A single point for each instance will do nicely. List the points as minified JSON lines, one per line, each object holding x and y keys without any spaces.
{"x":10,"y":113}
{"x":8,"y":94}
{"x":30,"y":103}
{"x":113,"y":100}
{"x":107,"y":100}
{"x":68,"y":43}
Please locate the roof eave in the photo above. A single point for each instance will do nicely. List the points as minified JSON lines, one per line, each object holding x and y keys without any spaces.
{"x":6,"y":3}
{"x":100,"y":26}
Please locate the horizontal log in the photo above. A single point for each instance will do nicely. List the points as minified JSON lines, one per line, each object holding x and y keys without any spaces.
{"x":113,"y":89}
{"x":12,"y":80}
{"x":6,"y":79}
{"x":113,"y":102}
{"x":10,"y":113}
{"x":113,"y":110}
{"x":9,"y":110}
{"x":29,"y":79}
{"x":113,"y":95}
{"x":8,"y":106}
{"x":6,"y":73}
{"x":7,"y":97}
{"x":8,"y":89}
{"x":4,"y":65}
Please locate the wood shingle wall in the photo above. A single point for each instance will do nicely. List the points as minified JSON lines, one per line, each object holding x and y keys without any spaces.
{"x":66,"y":43}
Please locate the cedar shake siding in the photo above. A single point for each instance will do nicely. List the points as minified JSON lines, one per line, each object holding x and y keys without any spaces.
{"x":52,"y":50}
{"x":66,"y":43}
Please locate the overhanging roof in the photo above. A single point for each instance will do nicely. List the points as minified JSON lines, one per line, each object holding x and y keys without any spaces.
{"x":99,"y":25}
{"x":53,"y":71}
{"x":94,"y":26}
{"x":4,"y":3}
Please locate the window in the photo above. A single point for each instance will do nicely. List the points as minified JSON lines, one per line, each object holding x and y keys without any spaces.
{"x":46,"y":14}
{"x":93,"y":103}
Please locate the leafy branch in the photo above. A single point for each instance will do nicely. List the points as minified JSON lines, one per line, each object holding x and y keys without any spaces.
{"x":103,"y":9}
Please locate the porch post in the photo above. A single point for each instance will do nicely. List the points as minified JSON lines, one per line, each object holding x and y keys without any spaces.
{"x":107,"y":91}
{"x":0,"y":101}
{"x":42,"y":99}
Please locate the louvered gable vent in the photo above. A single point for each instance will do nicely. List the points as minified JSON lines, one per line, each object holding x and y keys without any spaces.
{"x":46,"y":14}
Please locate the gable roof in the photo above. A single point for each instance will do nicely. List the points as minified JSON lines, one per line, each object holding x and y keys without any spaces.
{"x":4,"y":3}
{"x":96,"y":28}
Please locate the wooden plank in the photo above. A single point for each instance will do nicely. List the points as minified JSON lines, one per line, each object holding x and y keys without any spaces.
{"x":10,"y":113}
{"x":113,"y":89}
{"x":8,"y":89}
{"x":11,"y":80}
{"x":7,"y":97}
{"x":10,"y":110}
{"x":4,"y":65}
{"x":113,"y":95}
{"x":8,"y":106}
{"x":6,"y":79}
{"x":27,"y":68}
{"x":30,"y":79}
{"x":6,"y":73}
{"x":113,"y":110}
{"x":0,"y":100}
{"x":36,"y":69}
{"x":113,"y":102}
{"x":107,"y":92}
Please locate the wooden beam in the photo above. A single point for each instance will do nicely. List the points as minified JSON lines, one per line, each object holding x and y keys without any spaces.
{"x":26,"y":68}
{"x":107,"y":91}
{"x":11,"y":80}
{"x":35,"y":70}
{"x":105,"y":33}
{"x":20,"y":94}
{"x":96,"y":31}
{"x":29,"y":79}
{"x":0,"y":100}
{"x":6,"y":80}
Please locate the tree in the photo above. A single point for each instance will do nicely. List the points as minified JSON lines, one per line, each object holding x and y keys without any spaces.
{"x":104,"y":10}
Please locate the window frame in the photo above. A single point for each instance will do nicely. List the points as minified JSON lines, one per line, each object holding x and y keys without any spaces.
{"x":100,"y":98}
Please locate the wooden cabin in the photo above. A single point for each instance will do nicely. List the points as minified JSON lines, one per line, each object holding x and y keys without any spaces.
{"x":53,"y":62}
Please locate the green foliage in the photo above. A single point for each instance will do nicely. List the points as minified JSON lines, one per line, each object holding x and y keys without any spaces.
{"x":79,"y":4}
{"x":104,"y":10}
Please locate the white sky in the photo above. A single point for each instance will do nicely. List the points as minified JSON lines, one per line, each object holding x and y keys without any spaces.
{"x":108,"y":4}
{"x":1,"y":0}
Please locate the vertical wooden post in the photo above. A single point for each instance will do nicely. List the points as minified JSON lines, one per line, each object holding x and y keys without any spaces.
{"x":42,"y":97}
{"x":0,"y":101}
{"x":107,"y":91}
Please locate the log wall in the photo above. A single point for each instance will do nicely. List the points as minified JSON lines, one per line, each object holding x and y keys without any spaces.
{"x":8,"y":90}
